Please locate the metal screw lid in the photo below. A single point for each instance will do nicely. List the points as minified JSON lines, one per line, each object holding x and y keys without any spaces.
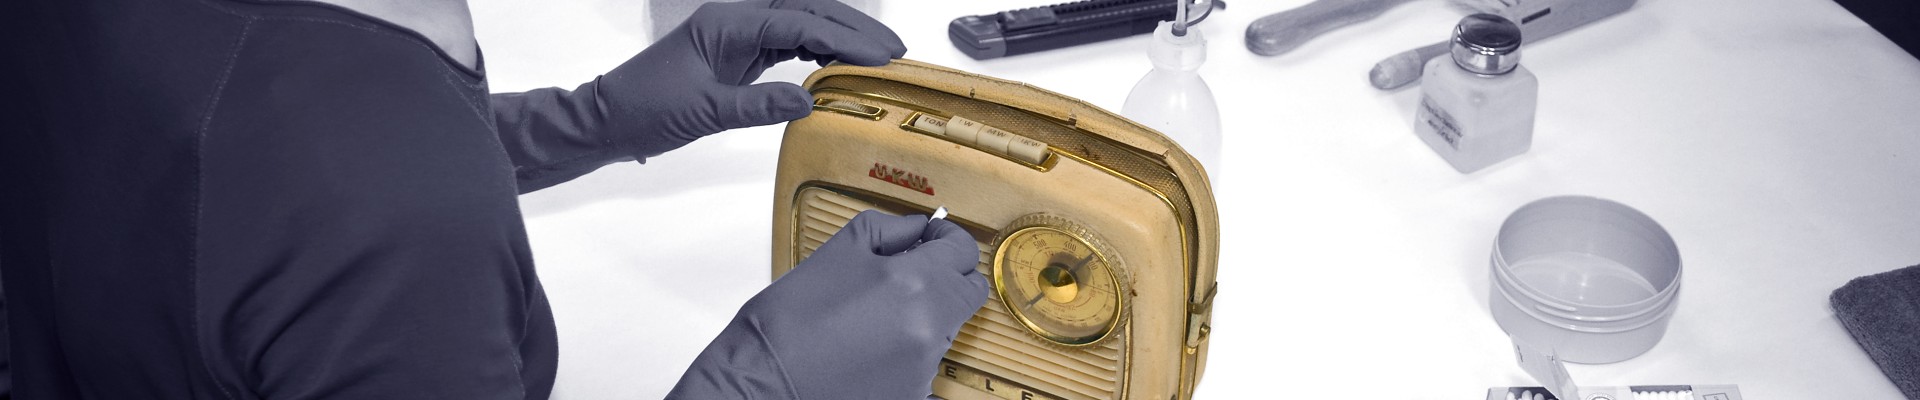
{"x":1486,"y":44}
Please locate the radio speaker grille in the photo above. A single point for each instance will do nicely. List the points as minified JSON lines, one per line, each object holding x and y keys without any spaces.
{"x":992,"y":341}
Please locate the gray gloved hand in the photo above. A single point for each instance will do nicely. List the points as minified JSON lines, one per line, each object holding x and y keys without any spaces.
{"x":694,"y":82}
{"x":868,"y":315}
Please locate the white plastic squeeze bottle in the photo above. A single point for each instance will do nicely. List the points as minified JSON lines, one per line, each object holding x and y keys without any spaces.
{"x":1174,"y":100}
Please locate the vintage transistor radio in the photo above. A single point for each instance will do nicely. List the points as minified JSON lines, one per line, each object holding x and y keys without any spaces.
{"x":1099,"y":235}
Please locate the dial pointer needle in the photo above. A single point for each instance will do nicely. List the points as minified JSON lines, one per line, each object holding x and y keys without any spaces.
{"x":1075,"y":271}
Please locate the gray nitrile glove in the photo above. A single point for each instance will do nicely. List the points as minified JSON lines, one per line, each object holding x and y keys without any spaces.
{"x":694,"y":82}
{"x":867,"y":316}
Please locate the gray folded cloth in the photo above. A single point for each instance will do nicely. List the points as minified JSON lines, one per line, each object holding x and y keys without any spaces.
{"x":1882,"y":311}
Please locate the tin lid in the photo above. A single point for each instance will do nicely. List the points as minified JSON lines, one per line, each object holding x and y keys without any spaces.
{"x":1486,"y":44}
{"x":1546,"y":367}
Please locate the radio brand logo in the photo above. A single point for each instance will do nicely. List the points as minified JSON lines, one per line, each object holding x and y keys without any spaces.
{"x":901,"y":177}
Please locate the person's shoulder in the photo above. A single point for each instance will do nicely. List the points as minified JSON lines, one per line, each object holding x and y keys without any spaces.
{"x":447,"y":24}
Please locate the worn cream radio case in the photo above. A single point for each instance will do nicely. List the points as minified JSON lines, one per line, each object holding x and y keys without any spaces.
{"x":1099,"y":235}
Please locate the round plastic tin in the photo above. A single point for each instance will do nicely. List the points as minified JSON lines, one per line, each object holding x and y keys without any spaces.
{"x":1593,"y":280}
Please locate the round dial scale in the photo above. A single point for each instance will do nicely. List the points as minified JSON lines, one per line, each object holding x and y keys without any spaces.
{"x":1060,"y":280}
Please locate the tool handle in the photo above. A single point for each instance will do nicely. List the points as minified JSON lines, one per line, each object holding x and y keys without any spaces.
{"x":1404,"y":68}
{"x":1283,"y":31}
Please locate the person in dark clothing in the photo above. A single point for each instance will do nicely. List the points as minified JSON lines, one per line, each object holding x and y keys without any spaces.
{"x":259,"y":199}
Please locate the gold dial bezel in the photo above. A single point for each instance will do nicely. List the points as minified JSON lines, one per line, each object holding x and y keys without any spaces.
{"x":1116,"y":272}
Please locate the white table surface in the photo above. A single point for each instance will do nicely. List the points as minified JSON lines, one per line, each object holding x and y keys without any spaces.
{"x":1777,"y":140}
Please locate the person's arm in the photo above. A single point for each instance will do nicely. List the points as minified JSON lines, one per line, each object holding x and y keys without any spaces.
{"x":696,"y":81}
{"x":554,"y":135}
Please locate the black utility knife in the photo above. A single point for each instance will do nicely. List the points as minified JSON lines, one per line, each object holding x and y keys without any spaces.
{"x":1028,"y":30}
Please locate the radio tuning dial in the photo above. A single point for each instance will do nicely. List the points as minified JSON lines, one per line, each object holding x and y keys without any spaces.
{"x":1060,"y":280}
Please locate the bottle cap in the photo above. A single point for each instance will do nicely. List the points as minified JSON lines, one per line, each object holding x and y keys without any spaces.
{"x":1486,"y":44}
{"x":1174,"y":52}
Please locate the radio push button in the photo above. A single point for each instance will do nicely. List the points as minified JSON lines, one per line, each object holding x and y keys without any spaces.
{"x":981,"y":136}
{"x":963,"y":130}
{"x":930,"y":124}
{"x":1027,"y":150}
{"x":993,"y":140}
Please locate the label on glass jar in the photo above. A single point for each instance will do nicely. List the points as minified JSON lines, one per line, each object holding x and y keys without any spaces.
{"x":1440,"y":122}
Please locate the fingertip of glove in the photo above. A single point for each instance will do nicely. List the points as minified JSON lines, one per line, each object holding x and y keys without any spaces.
{"x":898,"y":48}
{"x":980,"y":281}
{"x":949,"y":245}
{"x":868,"y":51}
{"x":855,"y":19}
{"x":770,"y":103}
{"x":865,"y":60}
{"x":891,"y":43}
{"x":943,"y":229}
{"x":888,"y":234}
{"x":792,"y":102}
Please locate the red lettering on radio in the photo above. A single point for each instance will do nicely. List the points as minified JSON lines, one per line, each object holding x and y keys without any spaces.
{"x":901,"y":177}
